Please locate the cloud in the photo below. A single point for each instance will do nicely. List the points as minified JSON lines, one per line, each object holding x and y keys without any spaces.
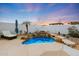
{"x":65,"y":14}
{"x":70,"y":9}
{"x":4,"y":10}
{"x":30,"y":8}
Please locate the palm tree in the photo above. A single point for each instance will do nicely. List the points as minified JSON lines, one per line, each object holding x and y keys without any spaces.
{"x":27,"y":23}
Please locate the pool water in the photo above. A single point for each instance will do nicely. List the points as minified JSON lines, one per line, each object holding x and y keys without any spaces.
{"x":38,"y":40}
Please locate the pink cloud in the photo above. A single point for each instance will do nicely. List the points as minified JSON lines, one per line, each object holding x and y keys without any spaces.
{"x":4,"y":10}
{"x":31,"y":8}
{"x":66,"y":10}
{"x":51,"y":4}
{"x":61,"y":14}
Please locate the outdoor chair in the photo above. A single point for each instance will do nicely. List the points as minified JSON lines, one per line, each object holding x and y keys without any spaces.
{"x":8,"y":35}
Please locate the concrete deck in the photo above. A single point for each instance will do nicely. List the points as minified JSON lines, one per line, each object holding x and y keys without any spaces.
{"x":16,"y":48}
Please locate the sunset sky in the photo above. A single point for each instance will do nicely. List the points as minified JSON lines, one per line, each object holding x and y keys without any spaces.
{"x":39,"y":12}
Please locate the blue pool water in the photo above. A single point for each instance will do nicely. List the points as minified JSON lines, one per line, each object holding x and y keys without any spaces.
{"x":37,"y":40}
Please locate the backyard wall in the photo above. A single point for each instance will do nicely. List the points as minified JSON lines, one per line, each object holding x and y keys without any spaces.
{"x":52,"y":29}
{"x":32,"y":28}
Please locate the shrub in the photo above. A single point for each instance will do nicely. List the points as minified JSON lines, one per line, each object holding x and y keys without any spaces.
{"x":73,"y":32}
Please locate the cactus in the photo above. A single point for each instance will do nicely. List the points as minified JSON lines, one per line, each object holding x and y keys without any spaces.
{"x":16,"y":27}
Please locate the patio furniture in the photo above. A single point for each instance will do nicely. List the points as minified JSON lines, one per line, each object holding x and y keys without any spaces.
{"x":0,"y":35}
{"x":8,"y":35}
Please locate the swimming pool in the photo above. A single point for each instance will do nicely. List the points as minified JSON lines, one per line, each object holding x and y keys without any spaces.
{"x":39,"y":40}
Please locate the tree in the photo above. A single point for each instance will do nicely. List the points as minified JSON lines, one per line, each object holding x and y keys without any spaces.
{"x":16,"y":27}
{"x":27,"y":23}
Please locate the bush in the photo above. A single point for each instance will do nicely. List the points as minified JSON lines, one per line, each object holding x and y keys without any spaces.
{"x":73,"y":32}
{"x":41,"y":34}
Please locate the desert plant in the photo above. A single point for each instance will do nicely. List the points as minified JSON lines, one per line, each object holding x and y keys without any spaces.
{"x":16,"y":27}
{"x":73,"y":32}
